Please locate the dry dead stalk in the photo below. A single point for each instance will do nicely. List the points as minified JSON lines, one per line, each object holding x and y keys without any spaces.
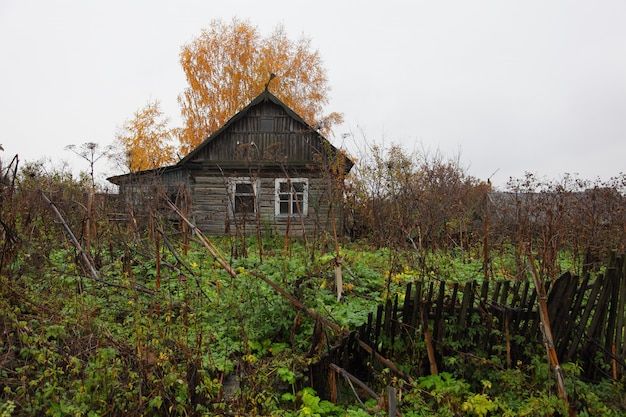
{"x":83,"y":254}
{"x":547,"y":330}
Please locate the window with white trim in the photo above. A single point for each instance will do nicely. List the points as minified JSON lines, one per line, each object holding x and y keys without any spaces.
{"x":243,"y":195}
{"x":292,"y":196}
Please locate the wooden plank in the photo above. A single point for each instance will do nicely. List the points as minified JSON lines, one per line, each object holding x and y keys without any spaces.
{"x":417,"y":300}
{"x":391,"y":400}
{"x":439,"y":310}
{"x":484,"y":342}
{"x":430,"y":350}
{"x":596,"y":328}
{"x":406,"y":308}
{"x":496,"y":292}
{"x":598,"y":322}
{"x":613,"y":289}
{"x":582,"y":325}
{"x":394,"y":323}
{"x":525,"y":292}
{"x":530,"y":316}
{"x":516,"y":294}
{"x":520,"y":306}
{"x":377,"y":328}
{"x":620,"y":343}
{"x":575,"y":312}
{"x":368,"y":329}
{"x":555,"y":293}
{"x":431,"y":290}
{"x":484,"y":292}
{"x":387,"y":318}
{"x":505,"y":293}
{"x":452,"y":306}
{"x":559,"y":307}
{"x":466,"y":306}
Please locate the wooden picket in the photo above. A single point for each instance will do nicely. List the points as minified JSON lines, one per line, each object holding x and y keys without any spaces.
{"x":587,"y":318}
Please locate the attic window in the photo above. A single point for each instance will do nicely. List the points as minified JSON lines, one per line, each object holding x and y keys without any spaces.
{"x":266,"y":124}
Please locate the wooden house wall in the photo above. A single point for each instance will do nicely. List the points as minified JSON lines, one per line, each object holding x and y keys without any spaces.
{"x":212,"y":216}
{"x":150,"y":190}
{"x":242,"y":149}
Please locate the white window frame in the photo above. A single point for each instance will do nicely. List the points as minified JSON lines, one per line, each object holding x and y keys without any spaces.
{"x":303,"y":207}
{"x":232,"y":194}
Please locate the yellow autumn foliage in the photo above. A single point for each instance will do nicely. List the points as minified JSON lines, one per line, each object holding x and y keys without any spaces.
{"x":230,"y":63}
{"x":146,"y":139}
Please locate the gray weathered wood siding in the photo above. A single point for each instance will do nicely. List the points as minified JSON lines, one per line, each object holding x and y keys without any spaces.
{"x":289,"y":140}
{"x":144,"y":190}
{"x":212,"y":216}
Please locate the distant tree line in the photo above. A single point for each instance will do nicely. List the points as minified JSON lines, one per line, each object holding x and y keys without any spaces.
{"x":428,"y":202}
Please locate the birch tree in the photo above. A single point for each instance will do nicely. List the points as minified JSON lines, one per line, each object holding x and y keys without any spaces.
{"x":146,"y":139}
{"x":229,"y":64}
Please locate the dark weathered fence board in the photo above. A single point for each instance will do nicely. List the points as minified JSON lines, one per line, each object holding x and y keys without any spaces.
{"x":466,"y":305}
{"x":417,"y":299}
{"x":575,"y":311}
{"x":621,"y":316}
{"x":585,"y":317}
{"x":613,"y":288}
{"x":406,"y":309}
{"x":505,"y":292}
{"x":484,"y":291}
{"x":525,"y":294}
{"x":394,"y":322}
{"x":582,"y":324}
{"x":379,"y":318}
{"x":516,"y":295}
{"x":496,"y":292}
{"x":562,"y":298}
{"x":439,"y":311}
{"x":599,"y":315}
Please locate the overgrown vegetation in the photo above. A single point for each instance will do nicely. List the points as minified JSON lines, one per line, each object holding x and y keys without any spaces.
{"x":166,"y":330}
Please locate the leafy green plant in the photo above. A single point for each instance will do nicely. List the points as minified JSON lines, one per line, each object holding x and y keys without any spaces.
{"x":479,"y":404}
{"x":313,"y":406}
{"x":103,"y":349}
{"x":445,"y":390}
{"x":6,"y":408}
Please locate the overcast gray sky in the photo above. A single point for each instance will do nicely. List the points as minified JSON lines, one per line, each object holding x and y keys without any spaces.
{"x":511,"y":86}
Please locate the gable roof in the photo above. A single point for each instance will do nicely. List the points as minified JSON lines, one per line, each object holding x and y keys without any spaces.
{"x":265,"y":96}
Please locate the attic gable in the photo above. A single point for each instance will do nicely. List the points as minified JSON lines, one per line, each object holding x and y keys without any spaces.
{"x":265,"y":123}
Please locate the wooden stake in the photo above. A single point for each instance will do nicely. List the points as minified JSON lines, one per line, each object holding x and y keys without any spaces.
{"x":614,"y":362}
{"x":157,"y":253}
{"x":429,"y":343}
{"x":508,"y":339}
{"x":546,"y":330}
{"x":391,"y":397}
{"x":332,"y":382}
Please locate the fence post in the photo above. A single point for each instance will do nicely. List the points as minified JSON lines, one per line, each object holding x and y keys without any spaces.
{"x":547,"y":331}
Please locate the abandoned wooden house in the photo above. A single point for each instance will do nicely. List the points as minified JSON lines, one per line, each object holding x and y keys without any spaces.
{"x":265,"y":169}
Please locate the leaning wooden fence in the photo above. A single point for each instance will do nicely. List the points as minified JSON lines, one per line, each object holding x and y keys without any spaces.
{"x":500,"y":320}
